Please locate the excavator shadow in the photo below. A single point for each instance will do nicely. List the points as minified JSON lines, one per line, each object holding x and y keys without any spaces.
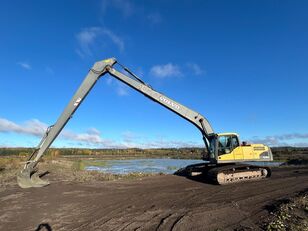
{"x":196,"y":172}
{"x":43,"y":227}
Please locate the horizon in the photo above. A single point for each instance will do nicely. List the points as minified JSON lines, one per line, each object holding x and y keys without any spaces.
{"x":139,"y":148}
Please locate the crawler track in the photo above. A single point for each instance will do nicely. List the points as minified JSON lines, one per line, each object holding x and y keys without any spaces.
{"x":237,"y":173}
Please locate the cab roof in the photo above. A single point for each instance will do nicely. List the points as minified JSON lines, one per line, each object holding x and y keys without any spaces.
{"x":228,"y":134}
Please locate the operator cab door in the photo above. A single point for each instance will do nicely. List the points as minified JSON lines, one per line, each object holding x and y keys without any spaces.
{"x":237,"y":150}
{"x":229,"y":148}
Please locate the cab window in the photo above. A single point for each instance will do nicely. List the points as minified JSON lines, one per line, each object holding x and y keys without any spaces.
{"x":235,"y":142}
{"x":226,"y":144}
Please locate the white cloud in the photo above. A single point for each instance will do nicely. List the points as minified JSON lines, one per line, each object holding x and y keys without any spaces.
{"x":122,"y":90}
{"x":93,"y":131}
{"x":32,"y":127}
{"x":91,"y":138}
{"x":172,"y":70}
{"x":161,"y":143}
{"x":290,"y":139}
{"x":134,"y":140}
{"x":37,"y":128}
{"x":86,"y":39}
{"x":300,"y":144}
{"x":118,"y":41}
{"x":155,"y":18}
{"x":96,"y":36}
{"x":126,"y":7}
{"x":166,"y":70}
{"x":195,"y":68}
{"x":130,"y":137}
{"x":25,"y":65}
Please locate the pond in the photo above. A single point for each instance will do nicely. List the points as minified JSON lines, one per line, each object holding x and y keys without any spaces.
{"x":164,"y":165}
{"x":167,"y":166}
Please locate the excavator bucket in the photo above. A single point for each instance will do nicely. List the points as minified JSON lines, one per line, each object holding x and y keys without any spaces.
{"x":29,"y":178}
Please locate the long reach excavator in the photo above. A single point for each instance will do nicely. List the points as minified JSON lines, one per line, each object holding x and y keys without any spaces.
{"x":227,"y":160}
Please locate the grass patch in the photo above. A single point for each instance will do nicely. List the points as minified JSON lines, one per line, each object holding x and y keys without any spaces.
{"x":62,"y":169}
{"x":81,"y":175}
{"x":90,"y":176}
{"x":9,"y":167}
{"x":10,"y":162}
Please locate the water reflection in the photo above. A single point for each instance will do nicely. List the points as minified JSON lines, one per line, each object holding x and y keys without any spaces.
{"x":166,"y":166}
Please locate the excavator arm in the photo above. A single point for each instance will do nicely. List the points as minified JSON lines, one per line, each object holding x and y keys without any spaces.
{"x":194,"y":117}
{"x":29,"y":177}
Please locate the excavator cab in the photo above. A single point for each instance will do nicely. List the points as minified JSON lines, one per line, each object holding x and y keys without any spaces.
{"x":226,"y":148}
{"x":221,"y":144}
{"x":227,"y":143}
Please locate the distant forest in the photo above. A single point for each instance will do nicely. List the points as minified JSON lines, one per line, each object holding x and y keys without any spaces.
{"x":279,"y":153}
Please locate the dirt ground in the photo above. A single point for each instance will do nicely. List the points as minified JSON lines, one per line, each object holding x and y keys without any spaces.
{"x":163,"y":202}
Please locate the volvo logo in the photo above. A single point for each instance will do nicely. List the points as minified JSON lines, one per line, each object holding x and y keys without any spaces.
{"x":169,"y":102}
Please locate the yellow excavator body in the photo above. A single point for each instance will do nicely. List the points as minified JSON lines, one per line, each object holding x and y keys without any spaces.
{"x":252,"y":152}
{"x":230,"y":150}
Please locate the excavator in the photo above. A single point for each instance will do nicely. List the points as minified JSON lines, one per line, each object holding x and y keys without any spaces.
{"x":227,"y":160}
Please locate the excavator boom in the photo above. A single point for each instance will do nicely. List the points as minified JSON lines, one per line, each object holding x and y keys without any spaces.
{"x":29,"y":177}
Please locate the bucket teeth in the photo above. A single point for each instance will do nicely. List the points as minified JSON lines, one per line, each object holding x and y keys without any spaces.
{"x":29,"y":179}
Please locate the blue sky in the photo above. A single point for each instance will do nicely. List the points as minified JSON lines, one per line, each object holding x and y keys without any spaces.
{"x":242,"y":64}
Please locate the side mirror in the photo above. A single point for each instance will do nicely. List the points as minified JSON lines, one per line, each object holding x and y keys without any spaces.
{"x":244,"y":143}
